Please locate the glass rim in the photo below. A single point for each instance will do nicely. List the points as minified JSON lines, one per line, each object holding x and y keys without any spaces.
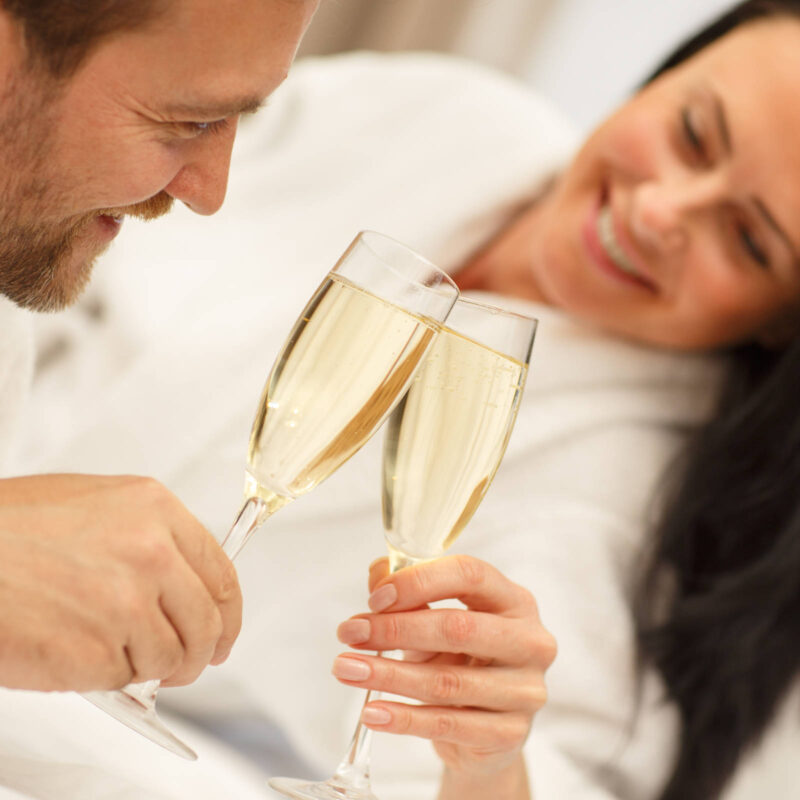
{"x":367,"y":234}
{"x":495,"y":310}
{"x":519,"y":329}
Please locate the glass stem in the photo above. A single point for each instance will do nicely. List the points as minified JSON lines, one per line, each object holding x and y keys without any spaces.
{"x":143,"y":693}
{"x":353,"y":769}
{"x":251,"y":516}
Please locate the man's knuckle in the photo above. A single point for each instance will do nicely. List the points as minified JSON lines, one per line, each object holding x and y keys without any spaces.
{"x":533,"y":695}
{"x":150,"y":491}
{"x":154,"y":554}
{"x":548,"y":647}
{"x":106,"y":660}
{"x":170,"y":654}
{"x":228,"y":588}
{"x":527,"y":601}
{"x":123,"y":603}
{"x":512,"y":733}
{"x":212,"y":625}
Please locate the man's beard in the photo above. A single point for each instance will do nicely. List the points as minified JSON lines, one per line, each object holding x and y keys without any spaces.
{"x":35,"y":257}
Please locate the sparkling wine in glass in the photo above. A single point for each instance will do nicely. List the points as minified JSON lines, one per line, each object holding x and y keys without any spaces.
{"x":442,"y":447}
{"x":349,"y":358}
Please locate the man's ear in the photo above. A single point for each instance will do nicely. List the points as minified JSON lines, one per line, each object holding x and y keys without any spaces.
{"x":12,"y":45}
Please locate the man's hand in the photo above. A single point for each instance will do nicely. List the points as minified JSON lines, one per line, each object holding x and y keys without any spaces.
{"x":107,"y":580}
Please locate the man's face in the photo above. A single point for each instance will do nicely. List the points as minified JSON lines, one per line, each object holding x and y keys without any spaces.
{"x":150,"y":117}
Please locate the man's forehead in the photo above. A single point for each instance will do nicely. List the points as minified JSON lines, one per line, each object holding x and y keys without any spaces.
{"x":206,"y":66}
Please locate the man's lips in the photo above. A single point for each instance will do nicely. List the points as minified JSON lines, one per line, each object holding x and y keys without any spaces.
{"x":110,"y":224}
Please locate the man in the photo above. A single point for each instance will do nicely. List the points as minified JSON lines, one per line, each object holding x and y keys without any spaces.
{"x":113,"y":108}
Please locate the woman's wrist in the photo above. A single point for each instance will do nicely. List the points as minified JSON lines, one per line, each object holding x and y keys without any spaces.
{"x":510,"y":783}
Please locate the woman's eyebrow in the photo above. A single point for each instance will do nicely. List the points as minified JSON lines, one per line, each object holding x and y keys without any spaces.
{"x":722,"y":122}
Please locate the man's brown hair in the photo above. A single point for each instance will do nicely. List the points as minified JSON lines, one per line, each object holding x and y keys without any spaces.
{"x":60,"y":34}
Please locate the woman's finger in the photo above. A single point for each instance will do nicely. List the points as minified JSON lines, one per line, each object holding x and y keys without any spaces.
{"x":494,"y":638}
{"x":495,"y":688}
{"x":378,"y":570}
{"x":475,"y":583}
{"x":486,"y":730}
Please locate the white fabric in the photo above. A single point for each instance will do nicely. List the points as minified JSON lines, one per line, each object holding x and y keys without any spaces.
{"x":60,"y":747}
{"x":16,"y":367}
{"x":435,"y":153}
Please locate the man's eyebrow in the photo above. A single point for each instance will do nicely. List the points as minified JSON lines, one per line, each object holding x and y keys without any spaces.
{"x":209,"y":110}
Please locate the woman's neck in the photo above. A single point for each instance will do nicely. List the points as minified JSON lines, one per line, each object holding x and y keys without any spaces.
{"x":503,"y":264}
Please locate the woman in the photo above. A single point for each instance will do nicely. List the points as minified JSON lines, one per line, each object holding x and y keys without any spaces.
{"x":669,"y":227}
{"x":670,"y":230}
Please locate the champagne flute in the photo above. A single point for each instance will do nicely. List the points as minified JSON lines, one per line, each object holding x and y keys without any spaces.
{"x":443,"y":445}
{"x":349,"y":358}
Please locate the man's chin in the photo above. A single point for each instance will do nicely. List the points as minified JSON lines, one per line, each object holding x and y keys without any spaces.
{"x":49,"y":273}
{"x":60,"y":287}
{"x":67,"y":288}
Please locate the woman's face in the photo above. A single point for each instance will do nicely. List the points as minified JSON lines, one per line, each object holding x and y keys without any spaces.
{"x":678,"y":222}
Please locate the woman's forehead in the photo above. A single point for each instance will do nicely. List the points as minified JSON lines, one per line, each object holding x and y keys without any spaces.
{"x":772,"y":44}
{"x":754,"y":72}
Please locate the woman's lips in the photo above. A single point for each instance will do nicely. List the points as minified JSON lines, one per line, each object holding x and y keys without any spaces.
{"x":605,"y":250}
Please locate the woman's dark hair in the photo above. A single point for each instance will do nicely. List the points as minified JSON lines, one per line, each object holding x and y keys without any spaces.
{"x":728,"y":644}
{"x":60,"y":34}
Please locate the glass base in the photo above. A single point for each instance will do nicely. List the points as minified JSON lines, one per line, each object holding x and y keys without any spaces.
{"x":130,"y":711}
{"x":318,"y":790}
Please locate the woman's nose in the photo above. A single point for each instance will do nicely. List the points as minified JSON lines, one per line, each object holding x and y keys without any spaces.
{"x":663,"y":212}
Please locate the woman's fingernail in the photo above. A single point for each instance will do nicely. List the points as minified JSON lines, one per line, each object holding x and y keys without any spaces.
{"x":351,"y":669}
{"x":375,"y":716}
{"x":354,"y":631}
{"x":382,"y":598}
{"x":377,"y":561}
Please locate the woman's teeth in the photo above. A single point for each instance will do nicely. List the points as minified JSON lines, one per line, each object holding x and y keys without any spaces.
{"x":605,"y":230}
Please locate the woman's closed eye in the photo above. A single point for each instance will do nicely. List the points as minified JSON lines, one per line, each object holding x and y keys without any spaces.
{"x":693,"y":136}
{"x":748,"y":241}
{"x":747,"y":238}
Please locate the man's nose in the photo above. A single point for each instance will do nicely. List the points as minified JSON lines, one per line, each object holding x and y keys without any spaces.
{"x":663,"y":212}
{"x":202,"y":182}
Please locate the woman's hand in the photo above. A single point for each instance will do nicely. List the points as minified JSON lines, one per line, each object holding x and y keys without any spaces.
{"x":479,"y":671}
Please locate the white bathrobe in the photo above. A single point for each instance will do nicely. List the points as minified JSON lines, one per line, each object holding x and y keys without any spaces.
{"x":436,"y":153}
